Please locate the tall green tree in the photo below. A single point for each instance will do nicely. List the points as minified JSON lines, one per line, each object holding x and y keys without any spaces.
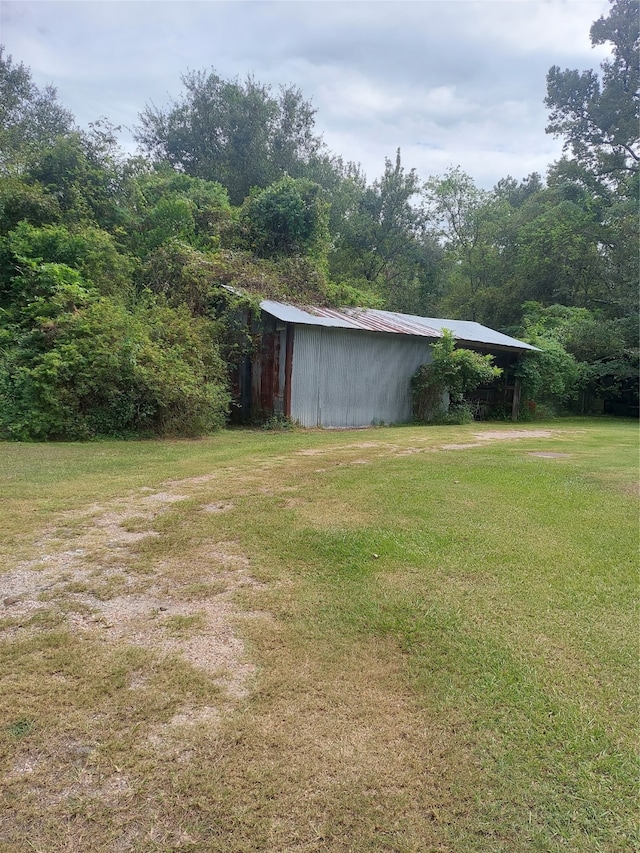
{"x":380,"y":243}
{"x":30,"y":118}
{"x":556,"y":256}
{"x":87,"y":175}
{"x":466,"y":219}
{"x":238,"y":133}
{"x":598,"y":115}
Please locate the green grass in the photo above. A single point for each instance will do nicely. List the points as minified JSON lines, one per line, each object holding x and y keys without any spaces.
{"x":444,"y":642}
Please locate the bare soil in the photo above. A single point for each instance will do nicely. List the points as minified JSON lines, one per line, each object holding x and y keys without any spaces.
{"x":92,"y":588}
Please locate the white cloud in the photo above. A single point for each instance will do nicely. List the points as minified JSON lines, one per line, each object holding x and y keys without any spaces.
{"x":540,"y":26}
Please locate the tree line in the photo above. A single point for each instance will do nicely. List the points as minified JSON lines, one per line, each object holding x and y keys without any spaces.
{"x":123,"y":278}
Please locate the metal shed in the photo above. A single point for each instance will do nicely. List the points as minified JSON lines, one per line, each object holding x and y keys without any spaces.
{"x":351,"y":367}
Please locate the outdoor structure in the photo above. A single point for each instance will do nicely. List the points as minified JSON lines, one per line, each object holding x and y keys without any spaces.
{"x":352,"y":367}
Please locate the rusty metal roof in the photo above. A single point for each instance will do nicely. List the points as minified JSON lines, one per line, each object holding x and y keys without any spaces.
{"x":372,"y":320}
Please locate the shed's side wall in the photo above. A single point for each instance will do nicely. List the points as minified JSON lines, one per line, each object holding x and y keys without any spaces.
{"x":344,"y":378}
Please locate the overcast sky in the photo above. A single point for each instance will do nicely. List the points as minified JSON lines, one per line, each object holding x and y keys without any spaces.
{"x":449,"y":82}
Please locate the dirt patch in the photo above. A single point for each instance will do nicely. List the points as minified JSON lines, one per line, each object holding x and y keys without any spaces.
{"x":85,"y":781}
{"x":93,"y":590}
{"x":542,"y":455}
{"x":335,"y":449}
{"x":409,"y":451}
{"x":219,"y":507}
{"x":499,"y":435}
{"x":337,"y":453}
{"x":506,"y":434}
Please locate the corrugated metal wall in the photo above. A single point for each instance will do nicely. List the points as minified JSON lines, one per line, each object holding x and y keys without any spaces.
{"x":343,"y":378}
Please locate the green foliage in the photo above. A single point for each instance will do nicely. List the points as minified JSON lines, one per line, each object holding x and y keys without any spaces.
{"x":170,"y":206}
{"x":30,"y":119}
{"x":468,"y":220}
{"x":235,"y":313}
{"x":550,"y":375}
{"x":86,"y":178}
{"x":598,"y":114}
{"x":569,"y":243}
{"x":355,"y":293}
{"x":278,"y":423}
{"x":236,"y":133}
{"x":75,"y":365}
{"x":181,"y":274}
{"x":381,"y":248}
{"x":583,"y":357}
{"x":438,"y":387}
{"x":171,"y":218}
{"x":181,"y":376}
{"x":156,"y":251}
{"x":560,"y":255}
{"x":87,"y":249}
{"x":201,"y":280}
{"x":20,"y":201}
{"x":585,"y":334}
{"x":21,"y":728}
{"x":60,"y":343}
{"x":290,"y":217}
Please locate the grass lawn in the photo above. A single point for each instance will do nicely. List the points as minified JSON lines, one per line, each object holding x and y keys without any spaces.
{"x":406,"y":639}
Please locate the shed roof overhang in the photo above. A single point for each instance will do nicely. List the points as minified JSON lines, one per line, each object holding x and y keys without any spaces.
{"x":373,"y":320}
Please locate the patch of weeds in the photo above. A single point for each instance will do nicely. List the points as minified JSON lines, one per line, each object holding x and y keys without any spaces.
{"x":198,"y":591}
{"x":78,"y":587}
{"x":136,"y":524}
{"x":20,"y":728}
{"x":112,"y":587}
{"x":457,"y":414}
{"x":279,"y":423}
{"x":181,"y":625}
{"x":80,"y":608}
{"x":44,"y":620}
{"x":142,"y":569}
{"x":48,"y":595}
{"x":177,"y":682}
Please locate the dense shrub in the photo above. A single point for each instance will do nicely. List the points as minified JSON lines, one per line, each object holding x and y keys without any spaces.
{"x":438,"y":387}
{"x":76,"y":365}
{"x":548,"y":376}
{"x":289,"y":217}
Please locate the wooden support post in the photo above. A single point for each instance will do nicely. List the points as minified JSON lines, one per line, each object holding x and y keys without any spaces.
{"x":515,"y":403}
{"x":288,"y":364}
